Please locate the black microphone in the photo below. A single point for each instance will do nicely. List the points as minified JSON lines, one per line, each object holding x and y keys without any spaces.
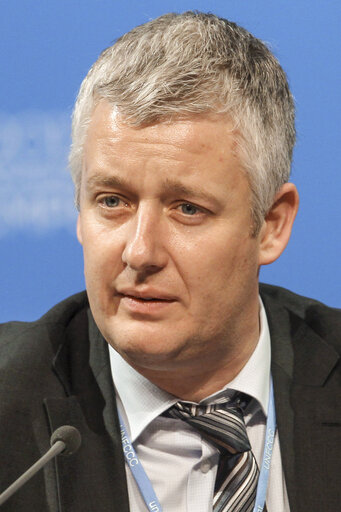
{"x":65,"y":441}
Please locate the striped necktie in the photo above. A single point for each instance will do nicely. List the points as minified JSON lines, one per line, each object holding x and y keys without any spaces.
{"x":223,"y":425}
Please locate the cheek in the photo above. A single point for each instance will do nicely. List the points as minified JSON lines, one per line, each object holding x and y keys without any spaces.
{"x":220,"y":269}
{"x":102,"y":258}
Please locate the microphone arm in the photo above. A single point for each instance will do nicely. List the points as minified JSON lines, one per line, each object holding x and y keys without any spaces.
{"x":56,"y":449}
{"x":65,"y":439}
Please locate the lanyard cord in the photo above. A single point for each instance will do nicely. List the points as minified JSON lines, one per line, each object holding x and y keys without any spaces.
{"x":267,"y":453}
{"x":141,"y":478}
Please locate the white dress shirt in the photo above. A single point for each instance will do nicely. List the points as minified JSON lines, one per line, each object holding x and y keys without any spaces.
{"x":180,"y":464}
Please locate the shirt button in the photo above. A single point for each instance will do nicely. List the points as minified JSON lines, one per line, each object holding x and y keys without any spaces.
{"x":205,"y":467}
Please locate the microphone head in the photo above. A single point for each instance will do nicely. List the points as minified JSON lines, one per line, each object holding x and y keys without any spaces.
{"x":70,"y":436}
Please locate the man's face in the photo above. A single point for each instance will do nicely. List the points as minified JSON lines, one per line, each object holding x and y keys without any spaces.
{"x":171,"y":268}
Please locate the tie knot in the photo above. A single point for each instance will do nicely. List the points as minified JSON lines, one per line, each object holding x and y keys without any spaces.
{"x":222,"y":423}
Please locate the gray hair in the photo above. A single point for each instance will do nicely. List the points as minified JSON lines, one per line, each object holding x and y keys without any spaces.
{"x":194,"y":63}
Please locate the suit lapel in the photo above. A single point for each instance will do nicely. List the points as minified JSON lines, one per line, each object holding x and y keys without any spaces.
{"x":94,"y":477}
{"x":305,"y":388}
{"x":282,"y":364}
{"x":317,"y":424}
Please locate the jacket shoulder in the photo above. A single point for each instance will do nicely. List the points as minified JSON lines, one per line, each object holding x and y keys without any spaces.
{"x":21,"y":341}
{"x":324,"y":320}
{"x":60,"y":313}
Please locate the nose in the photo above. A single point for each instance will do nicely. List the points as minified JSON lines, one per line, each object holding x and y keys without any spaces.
{"x":144,"y":249}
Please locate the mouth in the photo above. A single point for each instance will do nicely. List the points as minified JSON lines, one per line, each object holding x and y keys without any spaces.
{"x":145,"y":299}
{"x":145,"y":294}
{"x":145,"y":303}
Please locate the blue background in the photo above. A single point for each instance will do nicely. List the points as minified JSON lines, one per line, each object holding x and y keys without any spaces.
{"x":46,"y":48}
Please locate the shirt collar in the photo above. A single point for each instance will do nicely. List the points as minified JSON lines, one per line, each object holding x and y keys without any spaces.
{"x":140,"y":401}
{"x":254,"y":378}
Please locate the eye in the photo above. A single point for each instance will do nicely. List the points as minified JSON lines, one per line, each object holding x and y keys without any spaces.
{"x":189,"y":209}
{"x":111,"y":201}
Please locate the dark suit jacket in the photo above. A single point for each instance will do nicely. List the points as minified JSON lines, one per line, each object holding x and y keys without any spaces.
{"x":56,"y":371}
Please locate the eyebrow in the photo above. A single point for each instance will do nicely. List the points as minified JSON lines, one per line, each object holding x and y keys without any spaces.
{"x":169,"y":186}
{"x":106,"y":181}
{"x":180,"y":189}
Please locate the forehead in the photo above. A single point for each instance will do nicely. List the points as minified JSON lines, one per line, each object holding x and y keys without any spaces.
{"x":199,"y":134}
{"x":201,"y":149}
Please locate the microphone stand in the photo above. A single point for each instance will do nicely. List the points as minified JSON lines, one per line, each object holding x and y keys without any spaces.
{"x":55,"y":450}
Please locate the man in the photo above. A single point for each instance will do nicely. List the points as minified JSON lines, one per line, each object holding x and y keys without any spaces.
{"x":183,"y":133}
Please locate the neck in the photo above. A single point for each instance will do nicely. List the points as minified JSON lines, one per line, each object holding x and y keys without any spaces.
{"x":195,"y":387}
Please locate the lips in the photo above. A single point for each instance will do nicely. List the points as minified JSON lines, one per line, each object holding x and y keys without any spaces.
{"x":145,"y":302}
{"x":147,"y":299}
{"x":148,"y":295}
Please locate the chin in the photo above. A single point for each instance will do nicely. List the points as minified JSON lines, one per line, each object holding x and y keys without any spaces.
{"x":147,"y":351}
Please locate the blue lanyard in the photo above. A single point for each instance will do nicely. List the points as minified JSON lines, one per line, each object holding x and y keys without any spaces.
{"x":146,"y":487}
{"x":143,"y":482}
{"x":267,"y":453}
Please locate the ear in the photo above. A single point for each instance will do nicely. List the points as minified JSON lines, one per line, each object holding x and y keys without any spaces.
{"x":276,"y":230}
{"x":79,"y":229}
